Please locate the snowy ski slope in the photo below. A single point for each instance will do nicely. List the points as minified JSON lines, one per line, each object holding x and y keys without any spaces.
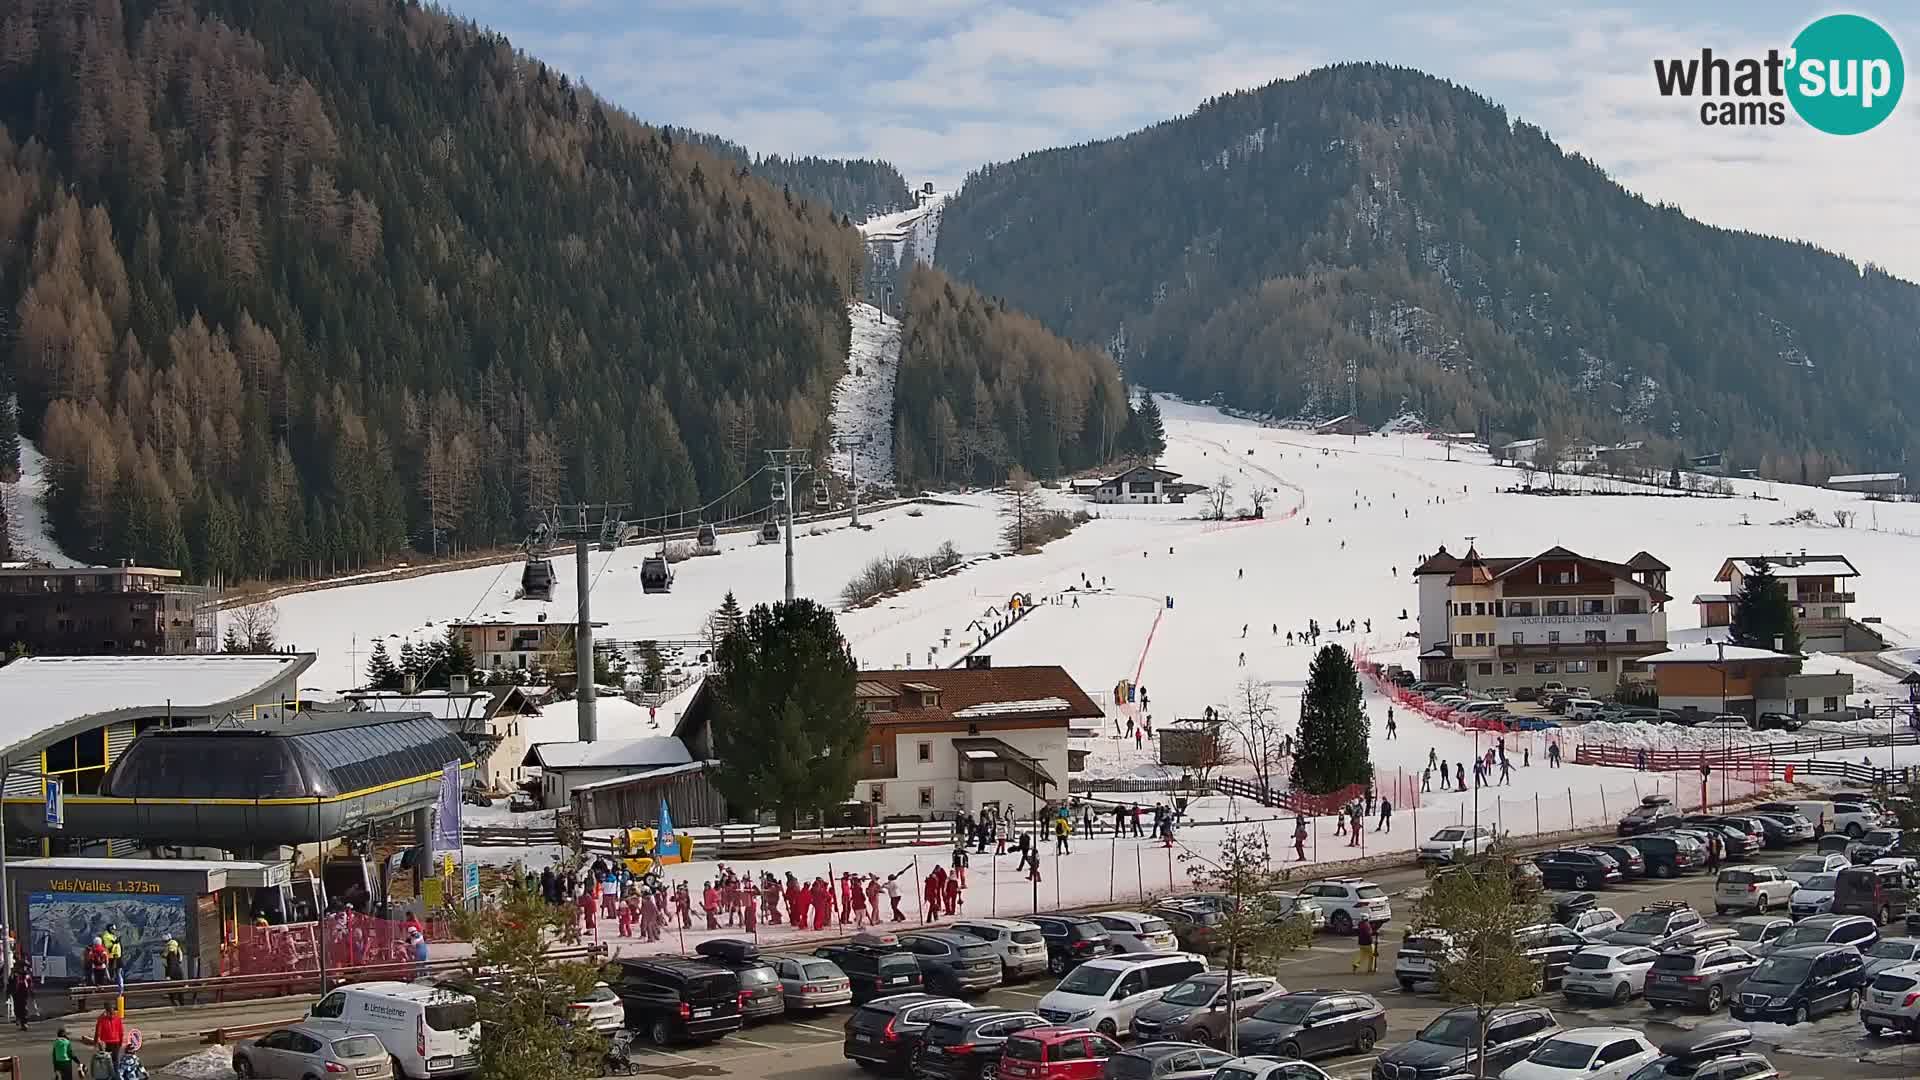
{"x":863,"y":398}
{"x":25,"y":514}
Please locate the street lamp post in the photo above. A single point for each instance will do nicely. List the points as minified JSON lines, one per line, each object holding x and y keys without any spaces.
{"x":1726,"y":734}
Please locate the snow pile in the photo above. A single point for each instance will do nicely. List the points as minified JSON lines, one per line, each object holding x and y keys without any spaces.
{"x":31,"y":540}
{"x":1674,"y":737}
{"x":1407,"y":423}
{"x":213,"y":1063}
{"x":863,"y":399}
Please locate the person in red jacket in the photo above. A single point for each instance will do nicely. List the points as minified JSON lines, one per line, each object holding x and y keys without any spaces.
{"x":109,"y":1032}
{"x":933,"y":889}
{"x":710,"y":903}
{"x":950,"y":892}
{"x":798,"y":898}
{"x":822,"y":903}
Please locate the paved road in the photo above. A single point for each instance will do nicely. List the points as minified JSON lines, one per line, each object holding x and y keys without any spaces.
{"x":808,"y":1047}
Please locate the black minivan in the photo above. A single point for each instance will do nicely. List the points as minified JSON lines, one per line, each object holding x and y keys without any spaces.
{"x":672,"y":999}
{"x":1668,"y":855}
{"x":1797,"y":984}
{"x":1071,"y":940}
{"x":875,"y":970}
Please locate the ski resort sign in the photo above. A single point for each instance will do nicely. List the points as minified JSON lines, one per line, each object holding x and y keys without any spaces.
{"x":1842,"y":75}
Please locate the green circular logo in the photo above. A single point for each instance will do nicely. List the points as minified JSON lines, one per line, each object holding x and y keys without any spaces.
{"x":1847,"y":74}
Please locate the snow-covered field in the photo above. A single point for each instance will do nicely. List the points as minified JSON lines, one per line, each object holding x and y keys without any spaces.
{"x":1363,"y":514}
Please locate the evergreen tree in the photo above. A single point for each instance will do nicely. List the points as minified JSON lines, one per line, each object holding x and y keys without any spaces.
{"x":413,"y":661}
{"x":785,"y":727}
{"x":653,"y":666}
{"x":9,"y":434}
{"x":723,"y":621}
{"x":1150,"y":432}
{"x":1763,"y":613}
{"x":455,"y":657}
{"x":382,"y":674}
{"x":1331,"y":749}
{"x":232,"y":642}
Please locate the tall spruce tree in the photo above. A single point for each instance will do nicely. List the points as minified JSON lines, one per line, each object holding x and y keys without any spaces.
{"x":382,"y":673}
{"x":1331,"y":750}
{"x":1763,"y":612}
{"x":785,"y":726}
{"x":1150,"y":431}
{"x":9,"y":433}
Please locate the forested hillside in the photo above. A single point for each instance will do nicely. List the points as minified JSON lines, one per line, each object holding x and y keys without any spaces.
{"x":858,"y":188}
{"x":983,"y":388}
{"x":295,"y":284}
{"x":1472,"y":272}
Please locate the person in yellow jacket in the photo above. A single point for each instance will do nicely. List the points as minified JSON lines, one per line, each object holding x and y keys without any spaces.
{"x":111,"y":940}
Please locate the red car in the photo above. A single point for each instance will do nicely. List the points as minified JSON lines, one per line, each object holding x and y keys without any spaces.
{"x":1056,"y":1053}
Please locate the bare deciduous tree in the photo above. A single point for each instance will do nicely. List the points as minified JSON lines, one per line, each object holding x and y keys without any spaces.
{"x":250,"y":628}
{"x":1020,"y":508}
{"x":1255,"y":724}
{"x":1260,"y":496}
{"x":1220,"y":498}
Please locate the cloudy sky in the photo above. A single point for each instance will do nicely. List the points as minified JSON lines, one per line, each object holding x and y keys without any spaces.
{"x":939,"y":87}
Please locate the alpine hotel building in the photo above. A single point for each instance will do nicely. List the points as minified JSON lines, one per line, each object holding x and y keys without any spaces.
{"x":1558,"y":616}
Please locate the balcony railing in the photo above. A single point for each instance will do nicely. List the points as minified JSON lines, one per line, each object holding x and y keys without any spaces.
{"x":1560,"y":648}
{"x":1824,"y":598}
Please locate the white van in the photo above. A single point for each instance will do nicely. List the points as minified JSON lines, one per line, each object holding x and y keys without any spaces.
{"x":1584,"y":708}
{"x":430,"y":1032}
{"x":1104,"y":994}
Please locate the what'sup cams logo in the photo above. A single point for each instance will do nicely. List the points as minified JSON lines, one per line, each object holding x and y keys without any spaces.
{"x":1843,"y":75}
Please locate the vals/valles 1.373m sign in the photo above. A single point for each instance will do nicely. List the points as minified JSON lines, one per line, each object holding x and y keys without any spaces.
{"x":1843,"y":75}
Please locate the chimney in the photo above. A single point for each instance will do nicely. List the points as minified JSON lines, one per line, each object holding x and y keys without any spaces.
{"x":456,"y":684}
{"x":410,"y":683}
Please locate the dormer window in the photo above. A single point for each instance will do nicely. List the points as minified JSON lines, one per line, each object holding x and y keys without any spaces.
{"x":928,"y":701}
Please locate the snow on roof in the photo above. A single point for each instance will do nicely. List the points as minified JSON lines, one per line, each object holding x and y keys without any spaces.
{"x":610,"y":753}
{"x":442,"y":705}
{"x":642,"y":774}
{"x":1864,"y":478}
{"x":44,"y":692}
{"x":614,"y":718}
{"x":999,"y":708}
{"x":1787,"y":566}
{"x":1713,"y":598}
{"x":1709,"y":653}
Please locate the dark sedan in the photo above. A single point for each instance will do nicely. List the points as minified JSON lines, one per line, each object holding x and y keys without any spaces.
{"x":1451,"y":1045}
{"x":1632,"y":864}
{"x":1577,"y":868}
{"x":1313,"y":1024}
{"x":1165,"y":1061}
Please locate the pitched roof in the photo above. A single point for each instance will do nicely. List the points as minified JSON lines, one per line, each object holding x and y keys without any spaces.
{"x":1643,"y":561}
{"x":1789,"y":566}
{"x":609,"y":753}
{"x":1044,"y":693}
{"x":1474,"y":570}
{"x":1706,"y":652}
{"x":1437,"y":563}
{"x":1165,"y":474}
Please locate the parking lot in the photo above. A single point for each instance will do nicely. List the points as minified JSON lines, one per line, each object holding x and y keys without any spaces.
{"x":1834,"y":1046}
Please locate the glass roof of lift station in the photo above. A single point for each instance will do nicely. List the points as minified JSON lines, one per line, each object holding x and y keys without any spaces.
{"x":326,"y":754}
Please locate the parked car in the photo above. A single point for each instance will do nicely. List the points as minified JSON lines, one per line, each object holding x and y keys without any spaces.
{"x":1105,"y":994}
{"x":1656,"y":924}
{"x":1596,"y":924}
{"x":1734,"y":839}
{"x":1456,"y":842}
{"x":1874,"y":845}
{"x":1641,"y":818}
{"x":1198,"y":1009}
{"x":1783,"y":830}
{"x":1286,"y":905}
{"x":884,"y":1034}
{"x":810,"y":982}
{"x":1577,"y":868}
{"x":1056,"y":1053}
{"x":1814,"y":896}
{"x":1592,"y":1053}
{"x":1071,"y":940}
{"x":1269,"y":1068}
{"x":1349,"y":900}
{"x":1855,"y":930}
{"x":1854,"y":819}
{"x":1794,"y":985}
{"x":1165,"y":1061}
{"x":1756,"y":933}
{"x":1020,"y":945}
{"x":1313,"y":1024}
{"x":1724,"y":721}
{"x":953,"y":963}
{"x":1670,"y":855}
{"x":762,"y":996}
{"x":1880,"y":891}
{"x":1420,"y":955}
{"x":1807,"y":866}
{"x":1192,"y":925}
{"x":311,"y":1051}
{"x":874,"y":965}
{"x":1704,"y":977}
{"x":1584,"y":708}
{"x":1754,"y":887}
{"x":1608,"y":973}
{"x":1631,"y":862}
{"x":673,"y":999}
{"x":1716,"y":1053}
{"x":1891,"y":952}
{"x":966,"y":1045}
{"x":1550,"y":946}
{"x":1892,"y":1001}
{"x":1134,"y":931}
{"x":1452,"y":1043}
{"x":1778,"y":721}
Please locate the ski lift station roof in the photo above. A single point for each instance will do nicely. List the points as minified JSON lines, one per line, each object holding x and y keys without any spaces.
{"x":49,"y":698}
